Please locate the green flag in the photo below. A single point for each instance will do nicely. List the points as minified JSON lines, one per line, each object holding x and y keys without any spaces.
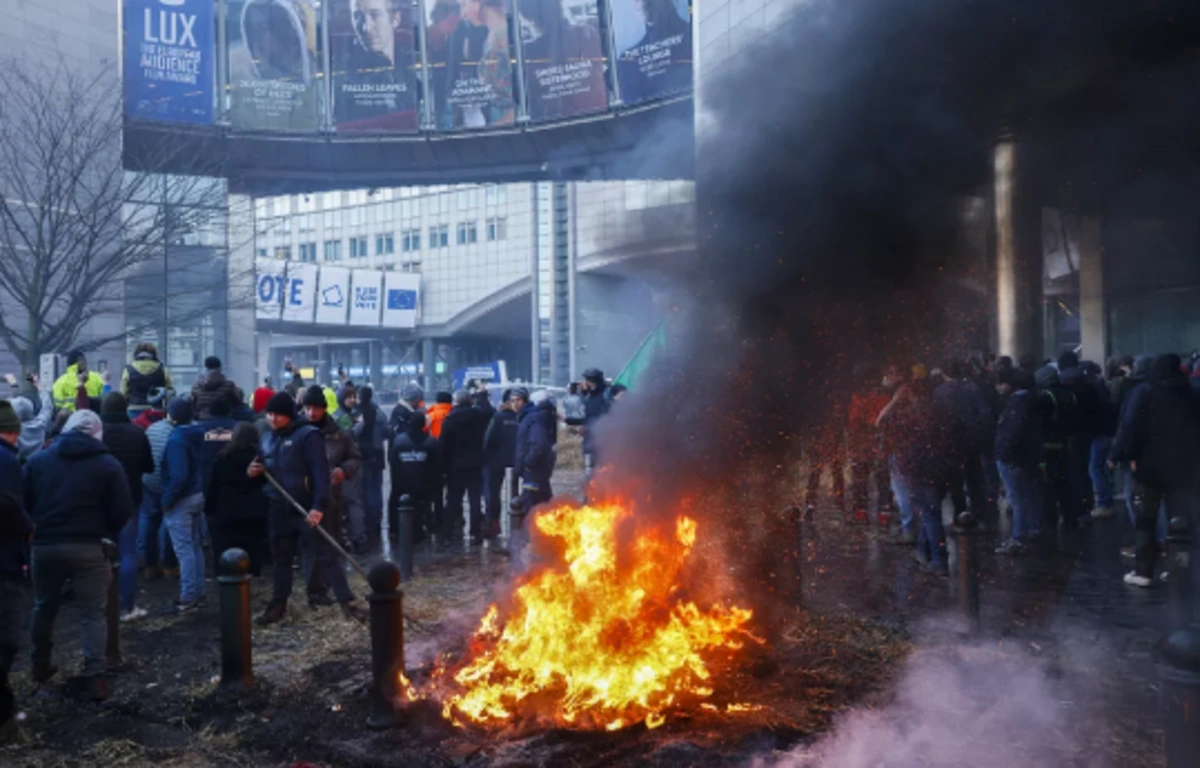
{"x":643,"y":358}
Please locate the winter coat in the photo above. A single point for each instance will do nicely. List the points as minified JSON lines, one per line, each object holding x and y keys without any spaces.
{"x":140,"y":377}
{"x":398,"y":422}
{"x":596,"y":405}
{"x":15,"y":523}
{"x":415,"y":462}
{"x":67,"y":386}
{"x":231,"y":496}
{"x":1160,"y":431}
{"x":341,"y":452}
{"x":918,"y":440}
{"x":207,"y":389}
{"x":500,"y":440}
{"x":372,"y":445}
{"x":33,"y":425}
{"x":437,"y":415}
{"x":181,"y":466}
{"x":76,"y":492}
{"x":535,"y":457}
{"x":295,"y":457}
{"x":157,"y":434}
{"x":1019,"y":431}
{"x":462,"y":438}
{"x":128,"y":445}
{"x":965,"y":412}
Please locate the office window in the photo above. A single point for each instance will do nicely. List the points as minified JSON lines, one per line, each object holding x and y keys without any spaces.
{"x":385,"y":245}
{"x":333,"y":250}
{"x":495,"y":194}
{"x":497,"y":229}
{"x":358,"y":247}
{"x":356,"y":216}
{"x":439,"y":237}
{"x":410,"y":266}
{"x":333,"y":219}
{"x":262,"y":253}
{"x":467,"y":233}
{"x":410,"y":240}
{"x":283,"y":252}
{"x":308,"y":252}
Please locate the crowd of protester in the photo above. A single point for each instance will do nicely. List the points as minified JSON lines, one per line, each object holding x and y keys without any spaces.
{"x":1054,"y":442}
{"x":163,"y":482}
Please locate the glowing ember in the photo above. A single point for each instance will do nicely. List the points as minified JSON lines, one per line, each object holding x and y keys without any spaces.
{"x":599,"y":640}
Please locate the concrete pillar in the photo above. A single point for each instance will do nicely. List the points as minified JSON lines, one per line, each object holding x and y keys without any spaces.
{"x":1019,"y":257}
{"x":1093,"y":325}
{"x":429,"y":364}
{"x":322,"y":364}
{"x":375,"y":363}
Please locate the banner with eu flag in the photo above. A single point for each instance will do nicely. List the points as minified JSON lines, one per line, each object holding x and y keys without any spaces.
{"x":401,"y":292}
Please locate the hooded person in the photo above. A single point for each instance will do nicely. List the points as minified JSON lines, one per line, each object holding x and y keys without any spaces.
{"x":443,"y":404}
{"x":234,"y":503}
{"x":183,"y":509}
{"x":143,"y":375}
{"x":130,"y":446}
{"x":1018,"y":450}
{"x":15,"y":529}
{"x":34,"y":425}
{"x":596,"y":405}
{"x":412,"y":400}
{"x":345,"y":513}
{"x":210,"y":386}
{"x":1059,"y":408}
{"x":347,"y":403}
{"x":372,"y":434}
{"x":416,"y":472}
{"x":67,"y":387}
{"x":500,"y":450}
{"x":462,"y":439}
{"x":77,"y":495}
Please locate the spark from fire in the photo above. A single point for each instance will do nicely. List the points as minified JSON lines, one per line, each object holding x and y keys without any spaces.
{"x":601,"y":639}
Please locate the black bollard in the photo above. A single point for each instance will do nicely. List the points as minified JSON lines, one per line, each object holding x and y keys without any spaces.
{"x":234,"y":580}
{"x":1179,"y":573}
{"x":387,"y":643}
{"x":113,"y":608}
{"x":1179,"y":672}
{"x":968,"y":571}
{"x":406,"y":519}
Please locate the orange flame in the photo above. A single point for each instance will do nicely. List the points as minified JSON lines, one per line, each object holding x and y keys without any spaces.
{"x":600,"y":640}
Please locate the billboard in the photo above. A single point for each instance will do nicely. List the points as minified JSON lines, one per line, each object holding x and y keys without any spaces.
{"x":470,"y":63}
{"x":366,"y":287}
{"x":564,"y":61}
{"x":654,"y":48}
{"x":372,"y":48}
{"x":400,"y":293}
{"x":274,"y":64}
{"x":301,"y":292}
{"x":169,"y":60}
{"x":333,"y":296}
{"x":270,"y":288}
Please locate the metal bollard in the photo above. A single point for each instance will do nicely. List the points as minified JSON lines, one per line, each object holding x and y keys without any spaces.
{"x":234,"y":580}
{"x":387,"y":643}
{"x":1179,"y":572}
{"x":968,"y":571}
{"x":506,"y":504}
{"x":1179,"y":672}
{"x":112,"y":612}
{"x":406,"y":517}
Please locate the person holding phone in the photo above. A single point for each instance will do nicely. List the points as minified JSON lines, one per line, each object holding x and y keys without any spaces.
{"x":34,"y":423}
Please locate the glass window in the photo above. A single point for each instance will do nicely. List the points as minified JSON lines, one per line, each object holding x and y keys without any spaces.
{"x":283,"y":252}
{"x":358,"y":247}
{"x":439,"y":236}
{"x":467,"y":233}
{"x":385,"y":245}
{"x":497,"y":228}
{"x":410,"y":240}
{"x":262,"y":252}
{"x":333,"y":250}
{"x":410,"y":266}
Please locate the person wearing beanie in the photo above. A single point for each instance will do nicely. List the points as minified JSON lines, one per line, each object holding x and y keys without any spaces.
{"x":596,"y":404}
{"x":211,"y":386}
{"x":34,"y":426}
{"x":77,"y":495}
{"x":183,"y":508}
{"x":414,"y":464}
{"x":15,"y":528}
{"x":347,"y":402}
{"x":462,"y":440}
{"x":143,"y":375}
{"x":294,"y":455}
{"x":130,"y":446}
{"x":77,"y":381}
{"x":443,"y":404}
{"x":500,"y":451}
{"x":412,"y":400}
{"x":261,"y":396}
{"x":1018,"y":450}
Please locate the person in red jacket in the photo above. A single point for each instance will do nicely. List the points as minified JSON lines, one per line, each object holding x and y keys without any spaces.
{"x":867,"y":457}
{"x":262,"y":396}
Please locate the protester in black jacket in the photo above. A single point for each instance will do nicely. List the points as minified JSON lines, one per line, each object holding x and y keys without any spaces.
{"x":1018,"y":449}
{"x":535,"y":457}
{"x":372,"y":433}
{"x":15,"y":529}
{"x":462,"y":450}
{"x":1159,"y":437}
{"x":596,"y":405}
{"x":1060,"y":409}
{"x":416,"y":471}
{"x":500,"y":453}
{"x":234,"y":503}
{"x":77,"y":495}
{"x":128,"y":444}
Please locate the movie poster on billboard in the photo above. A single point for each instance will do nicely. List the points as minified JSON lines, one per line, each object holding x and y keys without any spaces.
{"x":274,"y":64}
{"x":169,"y":58}
{"x":470,"y":56}
{"x":654,"y":48}
{"x":564,"y":60}
{"x":372,"y":46}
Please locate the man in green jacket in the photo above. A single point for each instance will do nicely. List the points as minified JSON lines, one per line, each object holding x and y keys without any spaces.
{"x":77,"y":375}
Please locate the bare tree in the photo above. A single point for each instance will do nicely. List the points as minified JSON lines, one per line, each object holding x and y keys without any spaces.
{"x":75,"y":226}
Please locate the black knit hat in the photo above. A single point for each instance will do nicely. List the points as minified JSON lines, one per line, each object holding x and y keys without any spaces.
{"x":74,"y":356}
{"x":212,"y":363}
{"x":315,"y":396}
{"x":282,"y":404}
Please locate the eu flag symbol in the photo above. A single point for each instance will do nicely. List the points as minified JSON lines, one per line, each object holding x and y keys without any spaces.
{"x":398,"y":298}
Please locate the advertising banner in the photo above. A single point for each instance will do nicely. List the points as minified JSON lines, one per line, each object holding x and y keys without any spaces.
{"x":333,"y":296}
{"x":400,"y":295}
{"x":274,"y":64}
{"x":169,"y":60}
{"x":564,"y":62}
{"x":365,"y":297}
{"x":372,"y":48}
{"x":470,"y":63}
{"x":301,"y":292}
{"x":495,"y":372}
{"x":270,"y":288}
{"x":654,"y":48}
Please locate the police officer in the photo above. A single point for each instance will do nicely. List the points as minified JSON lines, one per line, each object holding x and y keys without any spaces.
{"x":294,"y":454}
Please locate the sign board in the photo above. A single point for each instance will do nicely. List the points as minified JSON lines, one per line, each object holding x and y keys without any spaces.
{"x":270,"y":288}
{"x":301,"y":292}
{"x":401,"y":291}
{"x":366,"y":297}
{"x":333,"y":296}
{"x":495,"y":372}
{"x":48,"y":369}
{"x":170,"y":57}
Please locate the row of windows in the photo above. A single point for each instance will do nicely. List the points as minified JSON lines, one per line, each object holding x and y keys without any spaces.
{"x":496,"y":229}
{"x":277,"y":218}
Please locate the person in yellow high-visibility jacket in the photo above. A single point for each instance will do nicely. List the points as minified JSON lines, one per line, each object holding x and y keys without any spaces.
{"x":67,"y":385}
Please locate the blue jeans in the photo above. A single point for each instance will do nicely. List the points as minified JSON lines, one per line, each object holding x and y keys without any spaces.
{"x":1025,"y":497}
{"x":127,"y":575}
{"x":153,"y":543}
{"x":183,"y":523}
{"x":1098,"y":469}
{"x":1129,"y":483}
{"x":902,"y":491}
{"x":927,"y":502}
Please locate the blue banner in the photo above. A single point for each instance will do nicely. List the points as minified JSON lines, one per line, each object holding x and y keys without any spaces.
{"x":169,"y":60}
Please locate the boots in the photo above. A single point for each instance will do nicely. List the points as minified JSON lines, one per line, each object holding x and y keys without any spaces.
{"x":273,"y":614}
{"x":43,"y":672}
{"x":97,"y":688}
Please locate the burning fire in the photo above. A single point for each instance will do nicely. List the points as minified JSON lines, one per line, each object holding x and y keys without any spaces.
{"x":601,"y":639}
